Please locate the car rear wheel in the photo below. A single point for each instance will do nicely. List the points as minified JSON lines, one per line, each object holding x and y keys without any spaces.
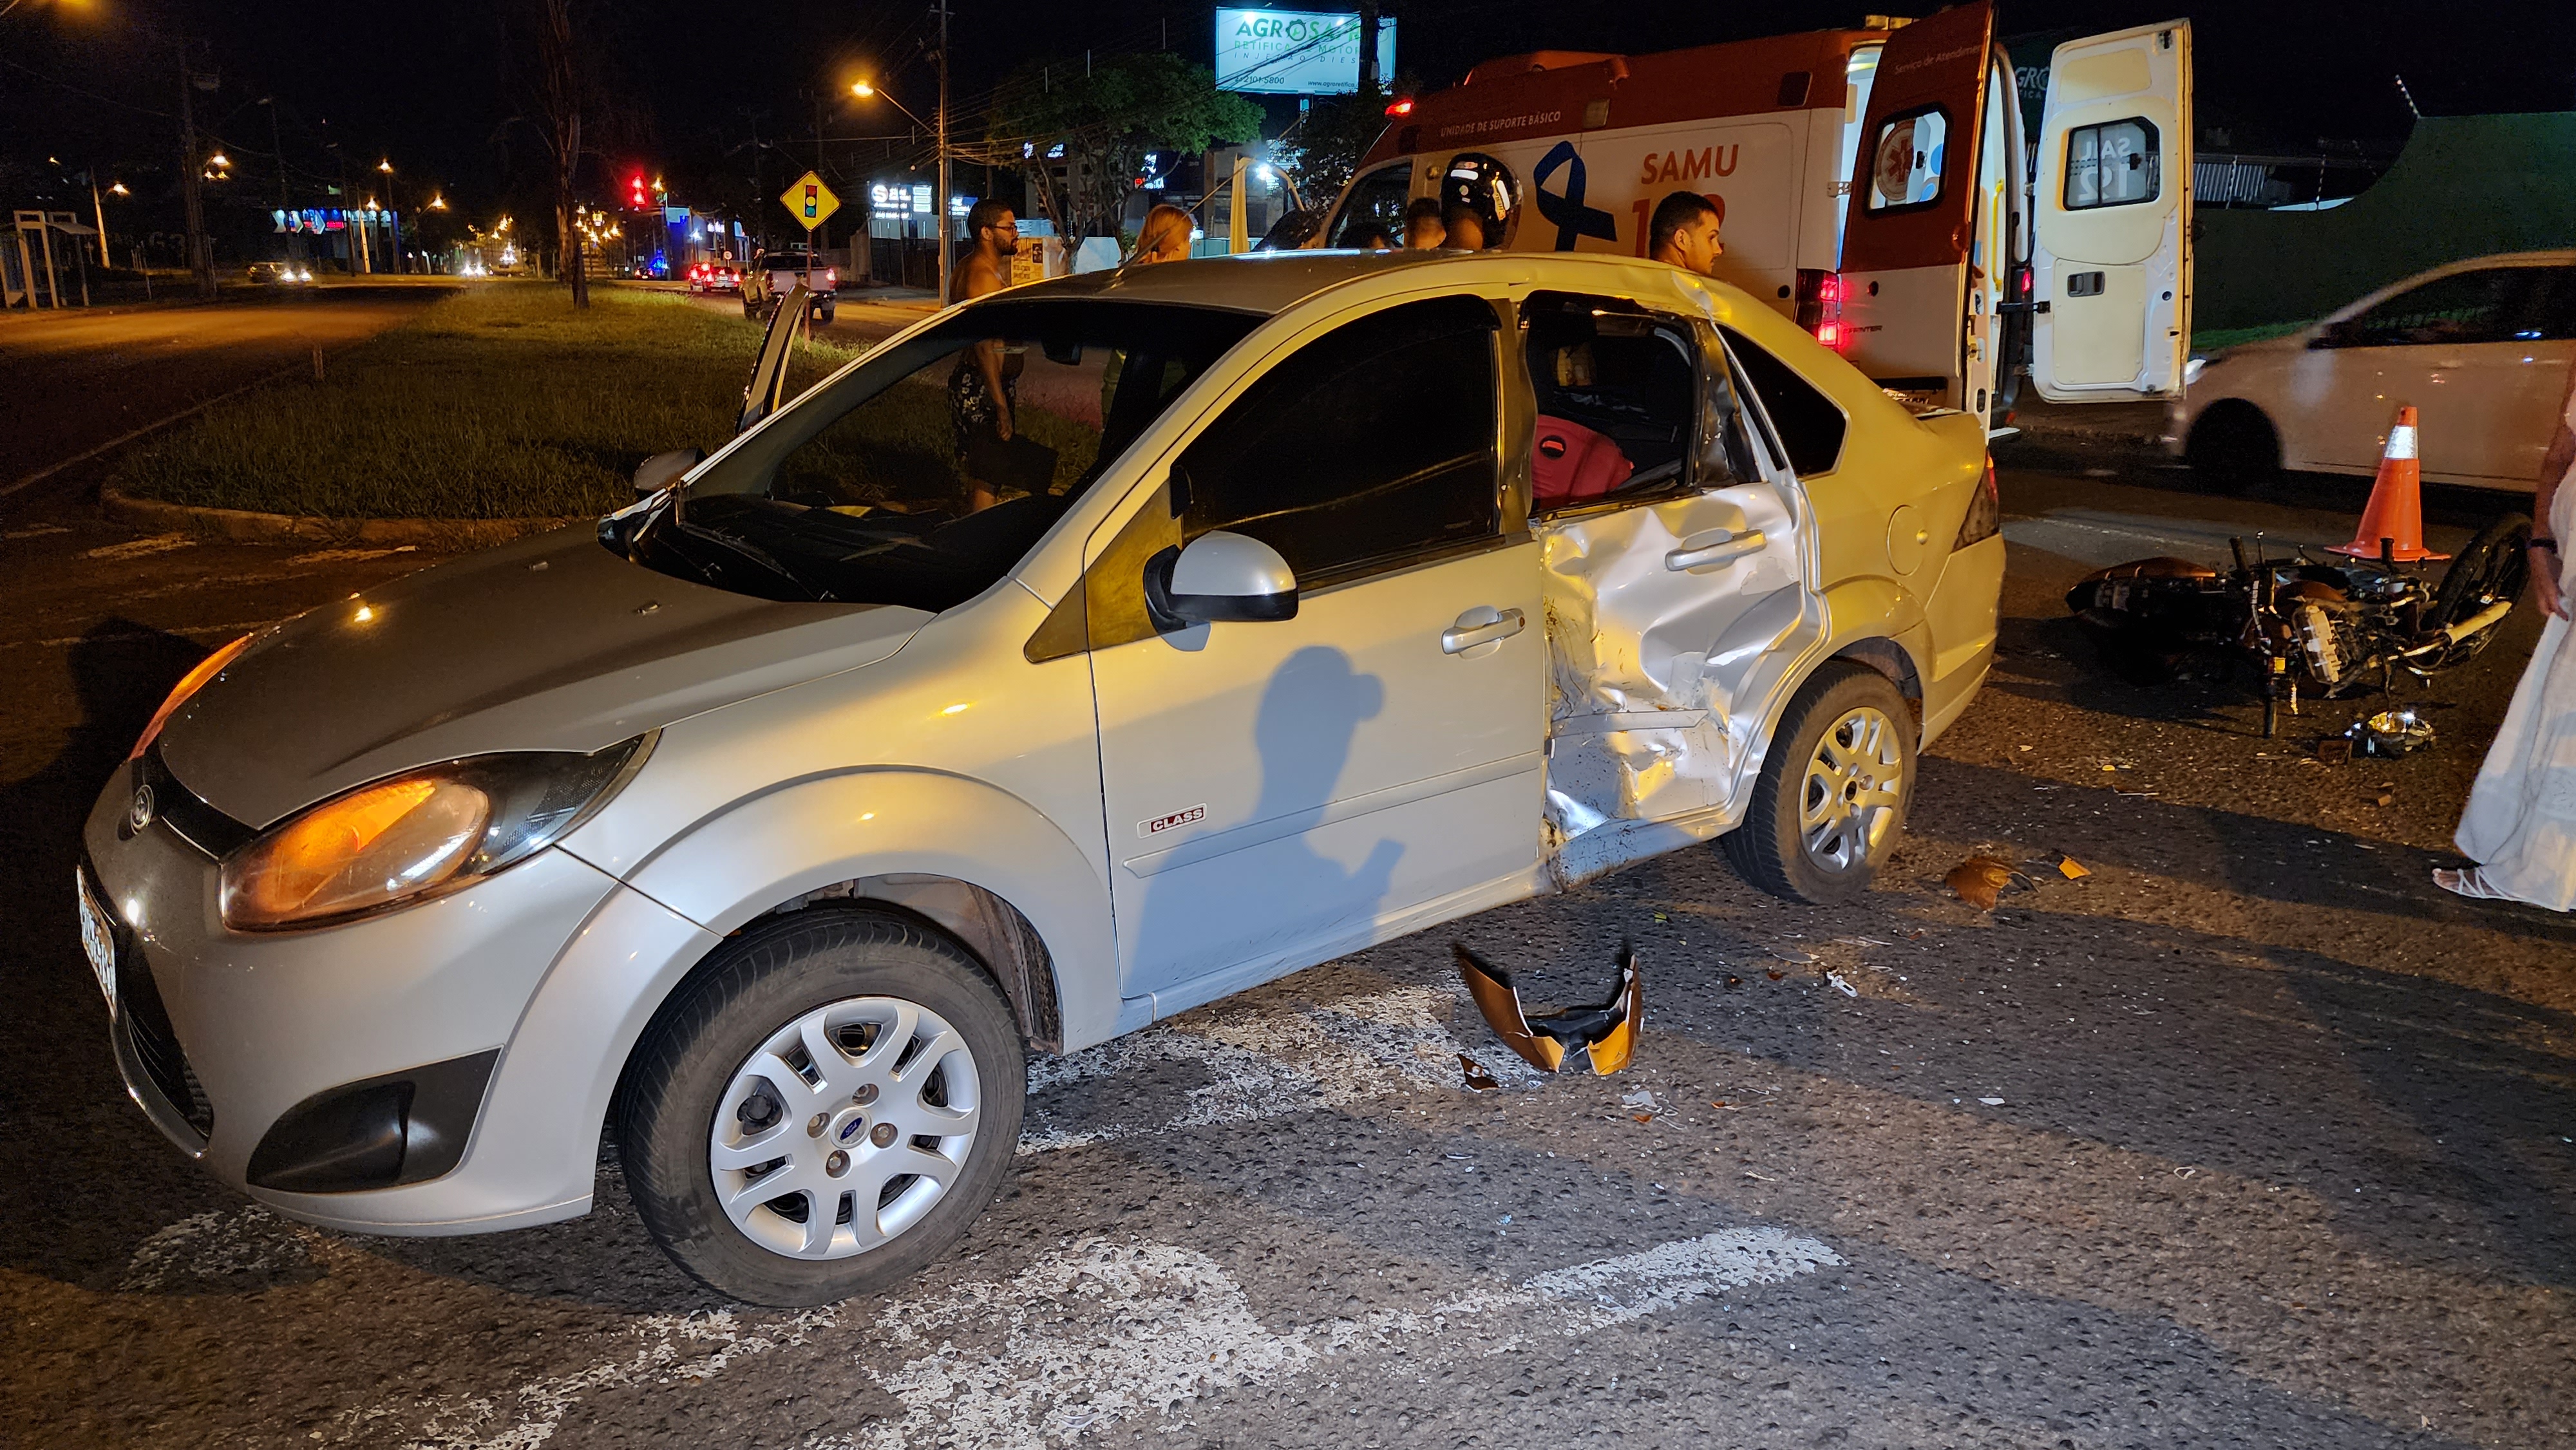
{"x":823,"y":1110}
{"x":823,"y":316}
{"x":2233,"y":447}
{"x":749,"y":307}
{"x":1831,"y":799}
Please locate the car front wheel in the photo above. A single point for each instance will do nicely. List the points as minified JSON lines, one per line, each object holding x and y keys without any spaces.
{"x":2233,"y":447}
{"x":1834,"y":787}
{"x":824,"y":1110}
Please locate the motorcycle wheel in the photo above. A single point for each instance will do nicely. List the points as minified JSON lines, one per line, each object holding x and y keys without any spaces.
{"x":2496,"y":565}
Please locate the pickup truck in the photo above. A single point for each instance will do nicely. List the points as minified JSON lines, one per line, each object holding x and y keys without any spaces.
{"x":769,"y":278}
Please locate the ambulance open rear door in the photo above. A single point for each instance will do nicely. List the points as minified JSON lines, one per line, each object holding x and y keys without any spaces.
{"x":1908,"y":273}
{"x":2111,"y":264}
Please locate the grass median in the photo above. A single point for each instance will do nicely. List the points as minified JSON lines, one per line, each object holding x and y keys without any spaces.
{"x":500,"y":401}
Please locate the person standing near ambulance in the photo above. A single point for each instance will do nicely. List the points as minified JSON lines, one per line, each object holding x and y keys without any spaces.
{"x":2520,"y":822}
{"x":1684,"y":232}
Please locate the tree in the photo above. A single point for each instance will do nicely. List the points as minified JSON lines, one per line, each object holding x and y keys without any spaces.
{"x":1106,"y":115}
{"x":564,"y":79}
{"x":1325,"y":146}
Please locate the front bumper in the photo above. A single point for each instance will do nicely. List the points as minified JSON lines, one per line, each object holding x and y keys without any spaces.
{"x":251,"y":1026}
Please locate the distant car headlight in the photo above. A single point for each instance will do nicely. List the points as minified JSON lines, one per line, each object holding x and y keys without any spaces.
{"x":417,"y":835}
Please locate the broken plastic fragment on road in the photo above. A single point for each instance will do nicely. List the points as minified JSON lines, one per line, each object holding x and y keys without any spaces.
{"x":2391,"y":733}
{"x":1477,"y":1078}
{"x":1607,"y":1034}
{"x":1979,"y":880}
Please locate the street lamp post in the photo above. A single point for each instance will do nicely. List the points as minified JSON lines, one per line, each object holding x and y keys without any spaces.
{"x":201,"y":259}
{"x":277,"y":143}
{"x":865,"y":91}
{"x":941,"y":145}
{"x":393,"y":213}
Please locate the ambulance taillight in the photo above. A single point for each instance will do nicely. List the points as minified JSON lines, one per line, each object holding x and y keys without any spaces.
{"x":1820,"y":305}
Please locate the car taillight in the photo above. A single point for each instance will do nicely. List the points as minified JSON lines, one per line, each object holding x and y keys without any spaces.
{"x":832,"y":277}
{"x":1985,"y":511}
{"x":1820,"y":305}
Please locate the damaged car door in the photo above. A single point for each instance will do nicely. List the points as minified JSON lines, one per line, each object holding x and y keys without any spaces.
{"x":1676,"y":590}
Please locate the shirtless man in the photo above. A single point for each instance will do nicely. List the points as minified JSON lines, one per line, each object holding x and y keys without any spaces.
{"x":981,"y":395}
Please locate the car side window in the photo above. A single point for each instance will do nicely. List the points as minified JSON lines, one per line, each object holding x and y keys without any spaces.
{"x":1808,"y":425}
{"x":1377,"y":200}
{"x":1365,"y":448}
{"x":1619,"y":392}
{"x":2464,"y":307}
{"x":2548,"y":312}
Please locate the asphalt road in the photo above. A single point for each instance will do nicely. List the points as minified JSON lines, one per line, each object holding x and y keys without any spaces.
{"x":2249,"y":1138}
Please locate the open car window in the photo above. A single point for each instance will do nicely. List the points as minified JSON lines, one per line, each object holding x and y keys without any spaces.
{"x":1628,"y":409}
{"x":893,"y":483}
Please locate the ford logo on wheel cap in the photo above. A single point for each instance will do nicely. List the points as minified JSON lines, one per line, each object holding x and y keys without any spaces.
{"x":851,"y":1130}
{"x":138,"y":814}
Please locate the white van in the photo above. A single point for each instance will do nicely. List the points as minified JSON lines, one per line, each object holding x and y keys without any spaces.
{"x":1871,"y":184}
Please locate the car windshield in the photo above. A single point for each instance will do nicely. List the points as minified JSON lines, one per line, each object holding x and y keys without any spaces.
{"x":923,"y":474}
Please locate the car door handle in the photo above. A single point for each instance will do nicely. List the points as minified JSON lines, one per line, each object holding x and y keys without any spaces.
{"x":1725,"y":550}
{"x":1481,"y":625}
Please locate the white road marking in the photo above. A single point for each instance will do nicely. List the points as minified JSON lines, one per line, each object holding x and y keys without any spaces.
{"x":214,"y":1245}
{"x":1265,"y":1063}
{"x":673,"y":1346}
{"x":1106,"y":1332}
{"x":140,"y":548}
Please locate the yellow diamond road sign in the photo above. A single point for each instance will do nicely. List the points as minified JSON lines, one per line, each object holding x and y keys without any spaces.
{"x":810,"y":201}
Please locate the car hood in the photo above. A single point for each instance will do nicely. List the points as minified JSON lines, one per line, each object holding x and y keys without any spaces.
{"x":552,"y":643}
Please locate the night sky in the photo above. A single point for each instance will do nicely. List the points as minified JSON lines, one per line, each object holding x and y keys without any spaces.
{"x":427,"y":82}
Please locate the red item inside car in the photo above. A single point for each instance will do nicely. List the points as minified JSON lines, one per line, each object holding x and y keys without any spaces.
{"x":1572,"y":463}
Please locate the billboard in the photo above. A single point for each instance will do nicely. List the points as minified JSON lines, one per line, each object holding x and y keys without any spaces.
{"x":1296,"y":52}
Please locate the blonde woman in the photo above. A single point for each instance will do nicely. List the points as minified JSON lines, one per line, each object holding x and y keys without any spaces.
{"x":1164,"y":237}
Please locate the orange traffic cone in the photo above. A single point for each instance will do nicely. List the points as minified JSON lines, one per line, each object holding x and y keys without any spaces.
{"x":2394,"y":517}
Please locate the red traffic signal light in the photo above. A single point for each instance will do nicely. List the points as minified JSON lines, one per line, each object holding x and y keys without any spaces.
{"x":635,"y":196}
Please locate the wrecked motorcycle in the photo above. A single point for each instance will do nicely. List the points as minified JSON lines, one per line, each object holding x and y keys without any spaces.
{"x":2331,"y":629}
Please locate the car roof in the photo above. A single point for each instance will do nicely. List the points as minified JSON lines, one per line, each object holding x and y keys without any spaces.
{"x":1271,"y":282}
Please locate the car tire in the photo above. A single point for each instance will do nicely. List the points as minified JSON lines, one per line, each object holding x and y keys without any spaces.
{"x":1831,"y":799}
{"x":704,"y":1095}
{"x":749,"y":307}
{"x":822,"y":316}
{"x":2233,"y":448}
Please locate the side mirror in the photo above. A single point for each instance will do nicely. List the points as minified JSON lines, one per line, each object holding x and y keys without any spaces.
{"x":1220,"y":577}
{"x":662,"y":470}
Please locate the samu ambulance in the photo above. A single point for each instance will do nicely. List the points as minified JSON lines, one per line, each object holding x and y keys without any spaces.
{"x":1871,"y":184}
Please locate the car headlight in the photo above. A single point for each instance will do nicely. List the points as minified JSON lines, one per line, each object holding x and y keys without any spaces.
{"x":417,"y":835}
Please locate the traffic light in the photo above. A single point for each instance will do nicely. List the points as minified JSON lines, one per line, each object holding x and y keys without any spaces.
{"x":635,"y":194}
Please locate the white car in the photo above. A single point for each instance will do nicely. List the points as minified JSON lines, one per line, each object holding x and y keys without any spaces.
{"x":2481,"y":348}
{"x":1321,"y":598}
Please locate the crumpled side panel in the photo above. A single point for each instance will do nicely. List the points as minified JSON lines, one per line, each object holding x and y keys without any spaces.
{"x":1650,"y":667}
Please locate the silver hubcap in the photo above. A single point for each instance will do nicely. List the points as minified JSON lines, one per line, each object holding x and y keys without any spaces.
{"x":845,"y":1128}
{"x":1847,"y":803}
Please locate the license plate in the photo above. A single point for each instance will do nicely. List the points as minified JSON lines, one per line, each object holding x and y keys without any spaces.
{"x":98,"y":939}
